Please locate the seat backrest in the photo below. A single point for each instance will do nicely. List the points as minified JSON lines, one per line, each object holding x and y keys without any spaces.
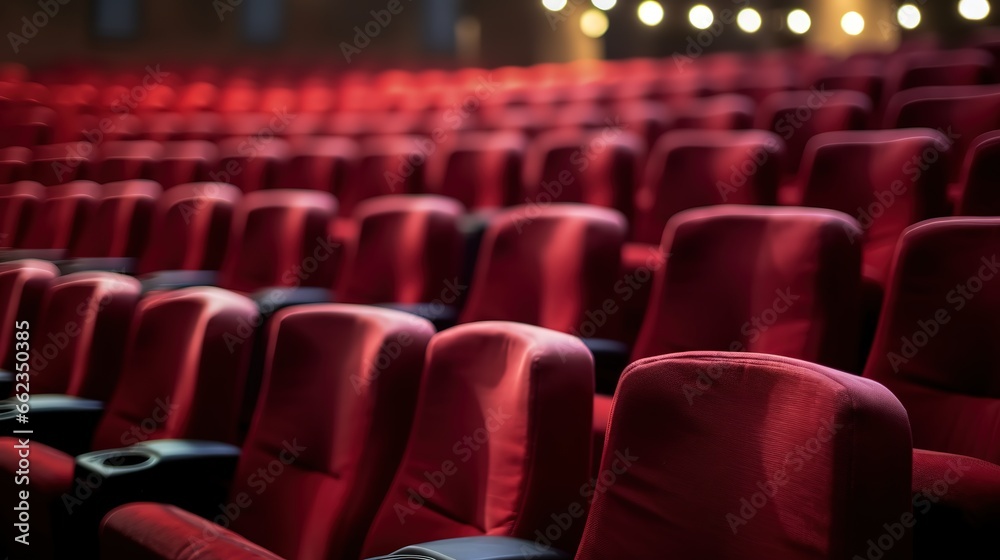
{"x":717,"y":112}
{"x":979,"y":179}
{"x":408,"y":250}
{"x":183,"y":375}
{"x":596,"y":167}
{"x":120,"y":226}
{"x":251,"y":163}
{"x":960,"y":112}
{"x":190,"y":228}
{"x":66,"y":211}
{"x":19,"y":204}
{"x":22,"y":287}
{"x":55,"y":164}
{"x":779,"y":281}
{"x":691,"y":168}
{"x":388,"y":165}
{"x":729,"y":455}
{"x":185,"y":161}
{"x":127,"y":160}
{"x":323,"y":163}
{"x":279,"y":238}
{"x":499,"y":442}
{"x":83,"y":320}
{"x":338,"y":396}
{"x":885,"y":179}
{"x":934,"y":344}
{"x":797,"y":116}
{"x":548,"y":266}
{"x":14,"y":163}
{"x":479,"y":169}
{"x":955,"y":67}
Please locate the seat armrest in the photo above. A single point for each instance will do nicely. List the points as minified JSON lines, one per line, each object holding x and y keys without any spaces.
{"x":176,"y":279}
{"x":441,"y":315}
{"x":610,"y":359}
{"x":60,"y":421}
{"x":121,"y":265}
{"x":477,"y":548}
{"x":270,"y":300}
{"x":193,"y":475}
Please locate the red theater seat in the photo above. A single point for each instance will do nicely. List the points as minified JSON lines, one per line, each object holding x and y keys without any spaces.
{"x":933,"y":351}
{"x":122,"y":161}
{"x":65,"y":213}
{"x":178,"y":370}
{"x":14,"y":163}
{"x":22,"y":287}
{"x":480,"y":169}
{"x":20,"y":202}
{"x":55,"y":164}
{"x":346,"y":455}
{"x":815,"y":462}
{"x":886,"y":179}
{"x":598,"y":168}
{"x":120,"y":225}
{"x":979,"y":185}
{"x":183,"y":162}
{"x":322,"y":163}
{"x":717,"y":112}
{"x":189,"y":228}
{"x":553,"y":266}
{"x":388,"y":165}
{"x":958,"y":67}
{"x":279,"y":239}
{"x":251,"y":163}
{"x":407,"y":251}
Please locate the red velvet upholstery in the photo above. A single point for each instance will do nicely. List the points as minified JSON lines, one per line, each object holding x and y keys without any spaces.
{"x":190,"y":228}
{"x":548,"y":266}
{"x":251,"y":162}
{"x":124,"y":160}
{"x":941,"y":310}
{"x":83,"y":321}
{"x":66,"y":211}
{"x":480,"y":169}
{"x":341,"y":381}
{"x":180,"y":380}
{"x":408,"y":250}
{"x":732,"y":456}
{"x":274,"y":234}
{"x":598,"y":168}
{"x":502,"y":429}
{"x":797,"y":116}
{"x":886,"y":179}
{"x":185,"y":162}
{"x":779,"y":281}
{"x":323,"y":163}
{"x":979,"y":184}
{"x":20,"y":202}
{"x":22,"y":285}
{"x":961,"y":112}
{"x":687,"y":169}
{"x":388,"y":165}
{"x":120,"y":226}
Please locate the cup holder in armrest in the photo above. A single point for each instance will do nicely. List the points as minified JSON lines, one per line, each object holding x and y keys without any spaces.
{"x":118,"y":461}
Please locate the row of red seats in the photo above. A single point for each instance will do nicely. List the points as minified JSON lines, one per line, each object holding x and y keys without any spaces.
{"x":518,"y":400}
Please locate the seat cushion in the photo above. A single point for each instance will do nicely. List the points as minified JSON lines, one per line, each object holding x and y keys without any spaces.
{"x":965,"y":483}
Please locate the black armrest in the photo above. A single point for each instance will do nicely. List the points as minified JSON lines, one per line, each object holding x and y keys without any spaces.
{"x":441,"y":315}
{"x":270,"y":300}
{"x":60,"y":421}
{"x":610,"y":359}
{"x":123,"y":265}
{"x":193,"y":475}
{"x":477,"y":548}
{"x":175,"y":279}
{"x":8,"y":255}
